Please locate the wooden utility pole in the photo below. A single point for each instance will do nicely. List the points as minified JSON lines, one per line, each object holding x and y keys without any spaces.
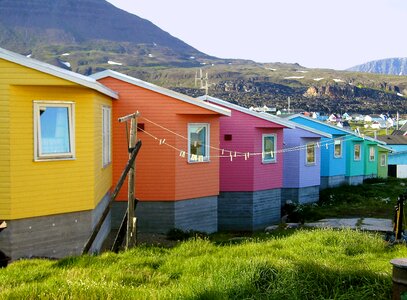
{"x":131,"y":219}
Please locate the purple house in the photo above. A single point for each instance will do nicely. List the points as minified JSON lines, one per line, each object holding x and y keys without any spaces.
{"x":251,"y":168}
{"x":302,"y":159}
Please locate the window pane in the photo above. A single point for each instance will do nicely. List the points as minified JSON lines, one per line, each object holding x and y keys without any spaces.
{"x":383,"y":160}
{"x":54,"y":122}
{"x":310,"y":153}
{"x":338,"y":148}
{"x":371,"y":153}
{"x":197,"y":138}
{"x":357,"y":152}
{"x":268,"y":148}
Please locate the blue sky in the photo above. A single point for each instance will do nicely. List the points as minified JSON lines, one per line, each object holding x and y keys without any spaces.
{"x":314,"y":33}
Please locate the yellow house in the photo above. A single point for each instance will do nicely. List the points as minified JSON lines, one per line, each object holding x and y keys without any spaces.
{"x":55,"y":154}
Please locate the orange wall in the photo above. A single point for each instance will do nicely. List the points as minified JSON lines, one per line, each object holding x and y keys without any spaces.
{"x":161,"y":174}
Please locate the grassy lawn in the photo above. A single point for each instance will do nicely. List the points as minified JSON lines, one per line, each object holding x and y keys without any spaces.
{"x":376,"y":198}
{"x":305,"y":264}
{"x":287,"y":264}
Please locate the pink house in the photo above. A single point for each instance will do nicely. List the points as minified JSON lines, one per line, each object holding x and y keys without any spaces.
{"x":251,"y":168}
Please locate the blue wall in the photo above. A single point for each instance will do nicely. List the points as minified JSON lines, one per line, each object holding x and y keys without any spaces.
{"x":330,"y":165}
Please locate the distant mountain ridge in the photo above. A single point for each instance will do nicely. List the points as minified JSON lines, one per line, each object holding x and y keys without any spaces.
{"x":87,"y":36}
{"x":26,"y":25}
{"x":388,"y":66}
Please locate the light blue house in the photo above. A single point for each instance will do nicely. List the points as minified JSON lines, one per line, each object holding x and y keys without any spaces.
{"x":347,"y":158}
{"x":302,"y":164}
{"x":333,"y":154}
{"x":397,"y":160}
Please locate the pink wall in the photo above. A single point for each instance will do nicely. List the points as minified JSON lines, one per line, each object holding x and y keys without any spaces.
{"x":251,"y":174}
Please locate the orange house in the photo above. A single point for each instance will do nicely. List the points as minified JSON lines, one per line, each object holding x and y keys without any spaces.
{"x":177,"y":168}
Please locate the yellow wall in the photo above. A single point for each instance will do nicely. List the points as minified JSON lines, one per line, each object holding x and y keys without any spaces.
{"x":4,"y":145}
{"x":50,"y":187}
{"x":102,"y":175}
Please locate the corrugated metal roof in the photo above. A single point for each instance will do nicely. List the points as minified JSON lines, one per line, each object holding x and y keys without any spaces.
{"x":393,"y":139}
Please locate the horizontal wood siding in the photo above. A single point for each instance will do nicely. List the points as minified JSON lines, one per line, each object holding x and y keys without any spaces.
{"x":310,"y":173}
{"x":355,"y":167}
{"x":296,"y":172}
{"x":103,"y":174}
{"x":370,"y":168}
{"x":268,"y":175}
{"x":382,"y":171}
{"x":291,"y":174}
{"x":156,"y":165}
{"x":201,"y":179}
{"x":330,"y":165}
{"x":5,"y":203}
{"x":238,"y":174}
{"x":51,"y":187}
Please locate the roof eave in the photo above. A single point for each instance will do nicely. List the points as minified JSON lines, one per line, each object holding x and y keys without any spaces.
{"x":161,"y":90}
{"x":266,"y":117}
{"x":56,"y":71}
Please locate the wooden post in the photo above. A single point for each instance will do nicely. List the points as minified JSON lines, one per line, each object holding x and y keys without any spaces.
{"x":131,"y":234}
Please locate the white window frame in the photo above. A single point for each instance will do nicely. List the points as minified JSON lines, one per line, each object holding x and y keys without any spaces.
{"x":199,"y":158}
{"x":106,"y":135}
{"x":306,"y":154}
{"x":38,"y":155}
{"x":370,"y":153}
{"x":354,"y":152}
{"x":383,"y":162}
{"x":263,"y":158}
{"x":340,"y":144}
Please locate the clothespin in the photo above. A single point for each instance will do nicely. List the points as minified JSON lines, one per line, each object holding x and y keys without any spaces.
{"x":223,"y":151}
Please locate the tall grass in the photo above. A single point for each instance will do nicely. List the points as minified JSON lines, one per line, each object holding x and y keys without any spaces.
{"x":317,"y":264}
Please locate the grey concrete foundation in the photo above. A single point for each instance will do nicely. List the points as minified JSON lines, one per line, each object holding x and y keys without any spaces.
{"x":198,"y":214}
{"x":332,"y":181}
{"x":354,"y":180}
{"x":302,"y":195}
{"x":248,"y":211}
{"x":54,"y":236}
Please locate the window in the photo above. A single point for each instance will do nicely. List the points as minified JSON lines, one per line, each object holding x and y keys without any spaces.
{"x":372,"y":154}
{"x":198,"y":142}
{"x":106,"y":135}
{"x":337,"y":148}
{"x":310,"y":154}
{"x":54,"y":134}
{"x":383,"y":159}
{"x":269,"y":148}
{"x":356,"y":152}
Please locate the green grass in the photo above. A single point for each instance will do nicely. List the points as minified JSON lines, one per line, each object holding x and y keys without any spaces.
{"x":307,"y":264}
{"x":375,"y":198}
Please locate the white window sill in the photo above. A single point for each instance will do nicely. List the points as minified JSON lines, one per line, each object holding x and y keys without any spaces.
{"x":54,"y":159}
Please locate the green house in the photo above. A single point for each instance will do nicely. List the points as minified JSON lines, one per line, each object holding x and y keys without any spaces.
{"x":371,"y":159}
{"x":382,"y":164}
{"x":355,"y":164}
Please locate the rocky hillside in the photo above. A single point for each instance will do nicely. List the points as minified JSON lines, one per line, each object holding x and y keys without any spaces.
{"x":46,"y":27}
{"x":389,"y":66}
{"x":87,"y":36}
